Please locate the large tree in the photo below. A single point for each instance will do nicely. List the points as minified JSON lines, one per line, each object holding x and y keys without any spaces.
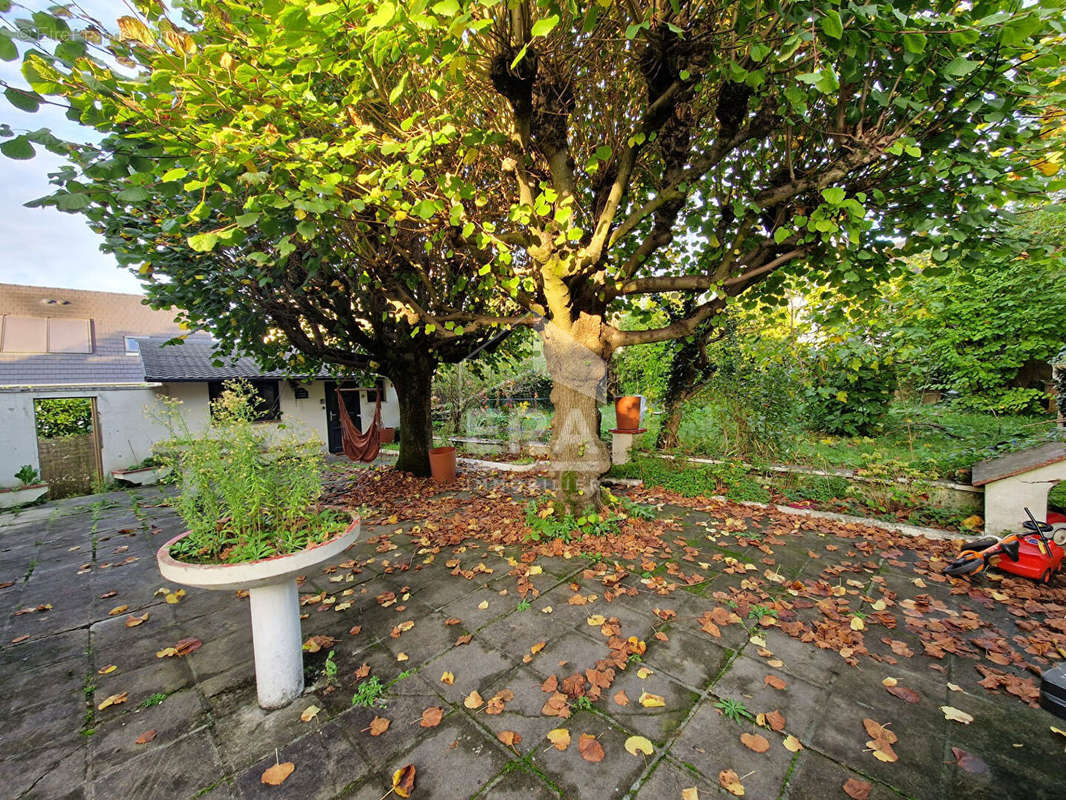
{"x":575,"y":157}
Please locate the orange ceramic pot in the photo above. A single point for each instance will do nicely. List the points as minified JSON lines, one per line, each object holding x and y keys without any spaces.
{"x":442,"y":464}
{"x":627,"y":412}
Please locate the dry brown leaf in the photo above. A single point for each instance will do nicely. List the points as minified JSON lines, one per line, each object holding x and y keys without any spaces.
{"x":776,"y":721}
{"x":133,"y":622}
{"x":621,"y":698}
{"x":559,"y":737}
{"x":276,"y":775}
{"x":113,"y":700}
{"x":857,"y":789}
{"x":875,"y":730}
{"x":473,"y":700}
{"x":903,"y":693}
{"x":774,"y":682}
{"x":730,"y":781}
{"x":591,"y":750}
{"x":309,"y":713}
{"x":188,"y":645}
{"x":464,"y":639}
{"x":378,"y":725}
{"x":755,"y":742}
{"x":556,"y":706}
{"x":550,"y":685}
{"x":362,"y":672}
{"x":509,"y":738}
{"x":145,"y":737}
{"x":403,"y":781}
{"x":431,"y":717}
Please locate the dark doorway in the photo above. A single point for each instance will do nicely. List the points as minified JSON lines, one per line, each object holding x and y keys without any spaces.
{"x":333,"y":420}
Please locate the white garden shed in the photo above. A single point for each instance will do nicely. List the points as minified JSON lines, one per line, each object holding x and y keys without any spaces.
{"x":1018,"y":481}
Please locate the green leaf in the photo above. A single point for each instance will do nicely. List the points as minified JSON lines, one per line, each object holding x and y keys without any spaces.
{"x":134,"y":194}
{"x":8,"y":51}
{"x":382,"y":17}
{"x":914,"y":42}
{"x":831,"y":25}
{"x":542,"y":27}
{"x":446,"y":8}
{"x":321,"y":9}
{"x":959,"y":67}
{"x":175,"y":174}
{"x":247,"y":220}
{"x":781,"y":234}
{"x":203,"y":242}
{"x":26,"y":101}
{"x":18,"y":148}
{"x":834,"y":195}
{"x":72,"y":202}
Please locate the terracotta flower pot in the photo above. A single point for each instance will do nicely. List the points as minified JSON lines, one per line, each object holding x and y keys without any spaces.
{"x":442,"y":464}
{"x":388,"y":435}
{"x":627,"y":412}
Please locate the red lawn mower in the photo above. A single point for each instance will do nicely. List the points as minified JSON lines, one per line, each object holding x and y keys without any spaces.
{"x":1033,"y":554}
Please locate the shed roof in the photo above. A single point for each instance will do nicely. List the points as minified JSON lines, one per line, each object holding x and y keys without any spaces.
{"x":996,"y":469}
{"x":194,"y":360}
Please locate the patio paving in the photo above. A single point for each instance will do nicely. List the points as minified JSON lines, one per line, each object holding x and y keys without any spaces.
{"x":75,"y":573}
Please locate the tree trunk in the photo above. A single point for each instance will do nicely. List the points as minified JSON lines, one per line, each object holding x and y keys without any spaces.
{"x":671,"y":424}
{"x":413,"y":378}
{"x":577,"y":362}
{"x":689,"y":373}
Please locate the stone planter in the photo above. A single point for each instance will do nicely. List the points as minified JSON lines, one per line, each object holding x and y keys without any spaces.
{"x":146,"y":476}
{"x":21,"y":495}
{"x":275,"y":607}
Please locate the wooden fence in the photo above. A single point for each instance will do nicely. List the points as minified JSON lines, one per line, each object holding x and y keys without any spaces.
{"x":69,"y":465}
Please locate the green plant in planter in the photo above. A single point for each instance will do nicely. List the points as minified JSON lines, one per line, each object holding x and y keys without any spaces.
{"x":243,"y":496}
{"x":28,"y":475}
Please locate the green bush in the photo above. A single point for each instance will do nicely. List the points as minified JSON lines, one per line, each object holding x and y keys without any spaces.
{"x":852,"y":388}
{"x":241,"y":498}
{"x":59,"y":417}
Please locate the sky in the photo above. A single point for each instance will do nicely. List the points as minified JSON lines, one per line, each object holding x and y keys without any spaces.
{"x":42,"y":246}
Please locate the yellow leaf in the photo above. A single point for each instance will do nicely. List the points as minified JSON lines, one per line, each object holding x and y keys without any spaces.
{"x":546,"y":610}
{"x":535,"y":570}
{"x":857,"y":624}
{"x":113,"y":700}
{"x":447,"y":679}
{"x":117,"y":610}
{"x":596,"y":620}
{"x":166,"y":652}
{"x":880,"y":605}
{"x":955,"y":715}
{"x":559,"y":737}
{"x":792,"y":744}
{"x":651,"y":700}
{"x":401,"y":656}
{"x":309,"y":713}
{"x":483,"y":604}
{"x":403,"y":781}
{"x":691,"y":793}
{"x":644,"y":672}
{"x":889,"y":682}
{"x":473,"y":700}
{"x":730,"y":781}
{"x":635,"y":745}
{"x":107,"y":670}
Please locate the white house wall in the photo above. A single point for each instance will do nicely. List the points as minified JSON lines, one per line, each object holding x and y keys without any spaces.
{"x":1007,"y":498}
{"x":18,"y":436}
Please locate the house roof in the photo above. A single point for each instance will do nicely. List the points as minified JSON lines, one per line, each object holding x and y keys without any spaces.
{"x":996,"y":469}
{"x":194,"y":360}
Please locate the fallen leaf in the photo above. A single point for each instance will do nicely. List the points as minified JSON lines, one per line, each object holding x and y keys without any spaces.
{"x":635,"y":745}
{"x":691,"y":793}
{"x":755,"y":742}
{"x":20,"y":639}
{"x":774,"y":682}
{"x":968,"y":762}
{"x":483,"y":604}
{"x":133,"y":622}
{"x":113,"y":700}
{"x":447,"y":678}
{"x":903,"y":693}
{"x":889,"y":682}
{"x":403,"y":781}
{"x":378,"y":725}
{"x":792,"y":744}
{"x":875,"y":730}
{"x":188,"y":645}
{"x":362,"y":672}
{"x":431,"y":717}
{"x":316,"y":643}
{"x":556,"y":706}
{"x":509,"y":738}
{"x":596,"y":620}
{"x":644,"y":673}
{"x":309,"y":713}
{"x":651,"y":700}
{"x":776,"y":721}
{"x":730,"y":781}
{"x":402,"y":656}
{"x":276,"y":775}
{"x":118,"y":610}
{"x":145,"y":737}
{"x":857,"y":789}
{"x":465,"y":639}
{"x":955,"y":715}
{"x":537,"y":648}
{"x":106,"y":670}
{"x":591,"y":750}
{"x":621,"y":698}
{"x":559,"y":737}
{"x":473,"y":700}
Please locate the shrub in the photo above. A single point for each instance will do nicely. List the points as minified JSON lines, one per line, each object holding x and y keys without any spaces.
{"x":58,"y":417}
{"x":28,"y":475}
{"x":242,"y":499}
{"x":852,"y":388}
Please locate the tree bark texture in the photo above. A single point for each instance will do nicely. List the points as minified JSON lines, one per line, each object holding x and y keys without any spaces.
{"x":413,"y":378}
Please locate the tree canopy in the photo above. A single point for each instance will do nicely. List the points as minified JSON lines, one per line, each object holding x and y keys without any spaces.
{"x":571,"y":157}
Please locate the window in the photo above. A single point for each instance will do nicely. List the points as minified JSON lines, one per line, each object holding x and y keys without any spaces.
{"x":41,"y":335}
{"x":268,"y":405}
{"x":133,"y":347}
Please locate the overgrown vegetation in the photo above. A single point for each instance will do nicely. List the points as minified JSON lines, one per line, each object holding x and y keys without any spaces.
{"x":243,"y":497}
{"x":58,"y":417}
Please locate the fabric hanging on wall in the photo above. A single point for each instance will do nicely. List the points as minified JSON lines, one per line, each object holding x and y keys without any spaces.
{"x":360,"y":446}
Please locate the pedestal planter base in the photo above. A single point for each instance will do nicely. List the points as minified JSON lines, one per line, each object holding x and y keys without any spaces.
{"x":274,"y":603}
{"x":622,"y":443}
